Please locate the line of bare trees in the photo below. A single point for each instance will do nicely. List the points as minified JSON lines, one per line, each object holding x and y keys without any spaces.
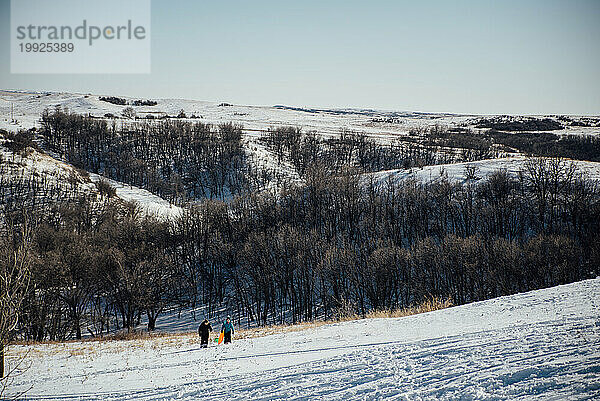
{"x":342,"y":242}
{"x":337,"y":242}
{"x":98,"y":270}
{"x":174,"y":159}
{"x":366,"y":154}
{"x":183,"y":161}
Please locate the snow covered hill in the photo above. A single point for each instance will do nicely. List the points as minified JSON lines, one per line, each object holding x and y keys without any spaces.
{"x":149,"y":203}
{"x":27,"y":107}
{"x":542,"y":344}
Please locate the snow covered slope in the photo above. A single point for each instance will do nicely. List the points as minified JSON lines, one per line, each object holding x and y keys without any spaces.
{"x":71,"y":180}
{"x":539,"y":345}
{"x":455,"y":172}
{"x":44,"y":168}
{"x":149,"y":203}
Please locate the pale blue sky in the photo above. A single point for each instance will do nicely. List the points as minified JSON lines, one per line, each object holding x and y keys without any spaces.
{"x":530,"y":57}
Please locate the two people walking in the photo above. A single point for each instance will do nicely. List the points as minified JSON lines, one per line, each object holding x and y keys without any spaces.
{"x":205,"y":329}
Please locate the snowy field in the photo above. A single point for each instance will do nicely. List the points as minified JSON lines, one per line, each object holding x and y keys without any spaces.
{"x":543,"y":344}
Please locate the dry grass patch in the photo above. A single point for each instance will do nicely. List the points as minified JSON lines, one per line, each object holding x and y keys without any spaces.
{"x":430,"y":305}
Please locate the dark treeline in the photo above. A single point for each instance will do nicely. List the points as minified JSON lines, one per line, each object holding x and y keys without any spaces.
{"x":363,"y":153}
{"x":578,"y":147}
{"x":332,"y":245}
{"x":507,"y":123}
{"x":175,"y":159}
{"x":122,"y":102}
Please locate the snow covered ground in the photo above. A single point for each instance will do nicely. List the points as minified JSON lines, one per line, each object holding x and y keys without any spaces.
{"x":539,"y":345}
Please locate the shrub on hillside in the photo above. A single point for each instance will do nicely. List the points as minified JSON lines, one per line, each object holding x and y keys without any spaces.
{"x":105,"y":188}
{"x":113,"y":100}
{"x":144,"y":103}
{"x":129,"y":112}
{"x":19,"y":142}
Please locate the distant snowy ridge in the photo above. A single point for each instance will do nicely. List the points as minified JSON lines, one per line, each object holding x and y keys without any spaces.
{"x":28,"y":106}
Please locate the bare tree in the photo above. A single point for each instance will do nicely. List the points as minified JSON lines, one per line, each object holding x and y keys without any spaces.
{"x":15,"y":264}
{"x":129,"y":112}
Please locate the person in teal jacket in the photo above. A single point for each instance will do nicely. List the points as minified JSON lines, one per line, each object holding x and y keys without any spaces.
{"x":227,"y":330}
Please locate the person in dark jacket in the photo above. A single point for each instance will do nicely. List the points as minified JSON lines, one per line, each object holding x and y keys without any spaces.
{"x":203,"y":331}
{"x":227,"y":330}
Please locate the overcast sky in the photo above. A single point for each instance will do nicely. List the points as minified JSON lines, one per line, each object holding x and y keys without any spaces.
{"x":518,"y":57}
